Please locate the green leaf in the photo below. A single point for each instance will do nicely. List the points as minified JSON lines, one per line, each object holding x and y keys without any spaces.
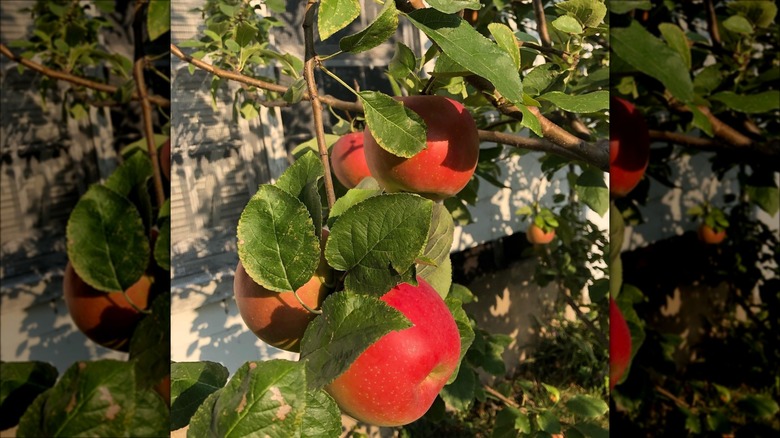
{"x":583,"y":103}
{"x":277,"y":243}
{"x":750,"y":104}
{"x":379,"y":31}
{"x":158,"y":18}
{"x":589,"y":12}
{"x":191,"y":383}
{"x":738,"y":24}
{"x":261,"y":399}
{"x":311,"y":145}
{"x":708,"y":79}
{"x":758,"y":405}
{"x":633,"y":43}
{"x":530,"y":121}
{"x":150,"y":345}
{"x":162,"y":247}
{"x":760,"y":13}
{"x":335,"y":15}
{"x":548,"y":422}
{"x":676,"y":39}
{"x":151,"y":416}
{"x":460,"y":41}
{"x":460,"y":394}
{"x":349,"y":324}
{"x":90,"y":399}
{"x":506,"y":39}
{"x":593,"y":190}
{"x":106,"y":240}
{"x":375,"y":253}
{"x":20,"y":384}
{"x":509,"y":422}
{"x":301,"y":180}
{"x":351,"y":198}
{"x":453,"y":6}
{"x":567,"y":24}
{"x":396,"y":128}
{"x":463,"y":322}
{"x":766,"y":197}
{"x":135,"y":171}
{"x":440,"y":236}
{"x":245,"y":34}
{"x":624,"y":6}
{"x":403,"y":62}
{"x":322,"y":417}
{"x":587,"y":406}
{"x":295,"y":91}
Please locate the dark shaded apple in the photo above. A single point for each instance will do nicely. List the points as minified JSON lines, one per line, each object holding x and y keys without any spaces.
{"x":629,"y":147}
{"x":619,"y":344}
{"x":708,"y":235}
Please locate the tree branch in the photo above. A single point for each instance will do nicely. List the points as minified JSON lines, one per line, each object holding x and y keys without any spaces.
{"x":712,"y":23}
{"x":97,"y":86}
{"x":316,"y":105}
{"x":576,"y":149}
{"x":146,"y":109}
{"x":541,"y":23}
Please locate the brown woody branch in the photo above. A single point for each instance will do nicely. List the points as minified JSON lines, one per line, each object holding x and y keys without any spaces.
{"x":713,"y":145}
{"x":316,"y":105}
{"x":573,"y":148}
{"x":712,"y":23}
{"x":76,"y":80}
{"x":541,"y":23}
{"x":146,"y":109}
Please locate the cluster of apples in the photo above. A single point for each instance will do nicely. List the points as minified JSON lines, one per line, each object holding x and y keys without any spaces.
{"x":396,"y":380}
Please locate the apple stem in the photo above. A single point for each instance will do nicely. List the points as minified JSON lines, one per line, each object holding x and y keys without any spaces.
{"x":337,"y":79}
{"x":316,"y":105}
{"x":305,"y":306}
{"x":138,"y":309}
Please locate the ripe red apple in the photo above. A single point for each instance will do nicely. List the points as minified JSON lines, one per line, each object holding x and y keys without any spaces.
{"x":106,"y":318}
{"x":445,"y":166}
{"x":619,"y":344}
{"x":396,"y":380}
{"x":708,"y":235}
{"x":537,"y":236}
{"x":279,"y":319}
{"x":629,"y":147}
{"x":165,"y":159}
{"x":348,"y":159}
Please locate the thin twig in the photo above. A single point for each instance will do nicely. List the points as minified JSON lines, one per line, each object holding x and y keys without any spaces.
{"x":672,"y":397}
{"x":77,"y":80}
{"x":316,"y":105}
{"x":541,"y":23}
{"x":238,"y":77}
{"x":592,"y":153}
{"x":582,"y":317}
{"x":146,"y":108}
{"x":712,"y":23}
{"x":507,"y":401}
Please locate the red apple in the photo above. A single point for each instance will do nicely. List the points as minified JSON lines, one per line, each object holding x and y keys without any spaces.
{"x":708,"y":235}
{"x":106,"y":318}
{"x":447,"y":163}
{"x":396,"y":380}
{"x":348,"y":159}
{"x":278,"y":318}
{"x":537,"y":236}
{"x":629,"y":147}
{"x":165,"y":159}
{"x":619,"y":344}
{"x":164,"y":389}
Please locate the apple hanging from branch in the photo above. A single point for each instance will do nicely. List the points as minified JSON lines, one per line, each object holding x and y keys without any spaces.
{"x":619,"y":344}
{"x":348,"y":159}
{"x":396,"y":380}
{"x":447,"y":163}
{"x":629,"y":147}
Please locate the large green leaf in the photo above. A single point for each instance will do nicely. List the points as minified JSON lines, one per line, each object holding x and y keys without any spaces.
{"x":335,"y":15}
{"x":382,"y":28}
{"x":20,"y":384}
{"x":107,"y":243}
{"x":440,"y":236}
{"x":453,"y":6}
{"x":349,"y":324}
{"x":191,"y":383}
{"x":277,"y":244}
{"x":750,"y":104}
{"x":676,"y":39}
{"x":588,"y":12}
{"x":377,"y":241}
{"x":593,"y":190}
{"x":633,"y":43}
{"x":582,"y":103}
{"x":461,"y":42}
{"x":158,"y":18}
{"x":261,"y":399}
{"x":396,"y":128}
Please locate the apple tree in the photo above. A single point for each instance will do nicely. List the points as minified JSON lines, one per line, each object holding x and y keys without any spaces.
{"x":697,"y":114}
{"x":116,"y":284}
{"x":524,"y":77}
